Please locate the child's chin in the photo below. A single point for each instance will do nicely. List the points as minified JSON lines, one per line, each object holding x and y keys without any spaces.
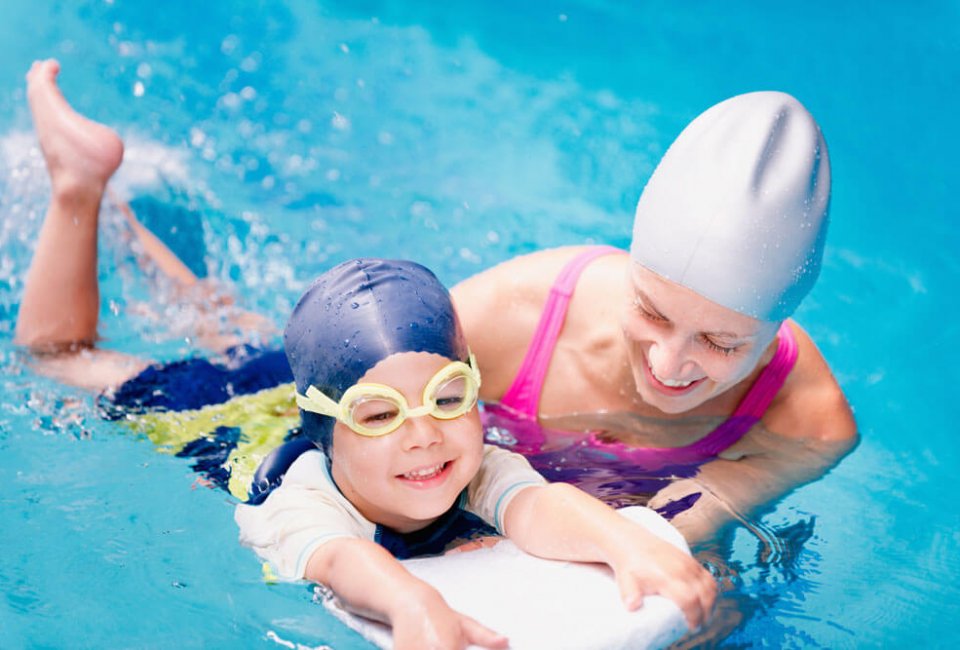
{"x":427,"y":514}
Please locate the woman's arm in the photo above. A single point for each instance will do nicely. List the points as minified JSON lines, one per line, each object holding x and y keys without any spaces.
{"x":808,"y":429}
{"x":561,"y":522}
{"x":731,"y":490}
{"x":372,"y":583}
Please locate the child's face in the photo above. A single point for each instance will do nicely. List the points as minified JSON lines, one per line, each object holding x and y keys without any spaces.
{"x":411,"y":476}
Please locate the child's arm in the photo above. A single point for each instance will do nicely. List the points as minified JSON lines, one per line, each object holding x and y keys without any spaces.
{"x":559,"y":521}
{"x":368,"y":579}
{"x":307,"y":529}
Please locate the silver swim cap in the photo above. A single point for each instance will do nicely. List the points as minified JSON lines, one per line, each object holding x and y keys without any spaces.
{"x":737,"y":208}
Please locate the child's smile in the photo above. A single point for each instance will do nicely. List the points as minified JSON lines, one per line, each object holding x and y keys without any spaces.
{"x":408,"y":478}
{"x":427,"y":476}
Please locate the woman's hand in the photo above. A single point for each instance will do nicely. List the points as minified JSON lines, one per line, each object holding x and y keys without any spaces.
{"x":427,"y":622}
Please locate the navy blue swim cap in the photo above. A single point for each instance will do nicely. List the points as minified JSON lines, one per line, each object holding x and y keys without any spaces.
{"x":359,"y":313}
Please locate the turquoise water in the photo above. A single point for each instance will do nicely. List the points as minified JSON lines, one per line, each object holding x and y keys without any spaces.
{"x":460,"y":135}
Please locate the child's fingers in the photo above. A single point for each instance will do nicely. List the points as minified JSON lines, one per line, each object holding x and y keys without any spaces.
{"x":688,"y":600}
{"x":695,"y":599}
{"x":481,"y":635}
{"x":631,"y":592}
{"x":708,"y":594}
{"x":695,"y":596}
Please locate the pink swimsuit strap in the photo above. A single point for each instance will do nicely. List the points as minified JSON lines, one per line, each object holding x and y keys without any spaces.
{"x":523,"y":396}
{"x":748,"y":412}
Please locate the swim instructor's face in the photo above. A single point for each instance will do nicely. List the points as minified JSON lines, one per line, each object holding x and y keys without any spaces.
{"x":684,"y":349}
{"x":408,"y":478}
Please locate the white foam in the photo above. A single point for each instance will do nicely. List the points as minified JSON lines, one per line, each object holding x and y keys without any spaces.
{"x":149,"y":164}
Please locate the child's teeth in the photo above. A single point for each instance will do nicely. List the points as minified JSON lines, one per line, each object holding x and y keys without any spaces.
{"x":422,"y":474}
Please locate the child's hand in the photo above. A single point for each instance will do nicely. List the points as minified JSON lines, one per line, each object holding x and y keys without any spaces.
{"x":645,"y":564}
{"x":429,"y":623}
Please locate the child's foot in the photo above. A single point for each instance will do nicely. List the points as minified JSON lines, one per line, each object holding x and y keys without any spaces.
{"x":81,"y":154}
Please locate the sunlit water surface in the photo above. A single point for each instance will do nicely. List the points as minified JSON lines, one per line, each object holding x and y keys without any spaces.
{"x":461,"y":134}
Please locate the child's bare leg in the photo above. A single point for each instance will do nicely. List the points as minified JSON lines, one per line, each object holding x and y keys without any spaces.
{"x":61,"y":300}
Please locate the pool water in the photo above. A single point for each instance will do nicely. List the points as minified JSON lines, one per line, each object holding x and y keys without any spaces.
{"x":295,"y":135}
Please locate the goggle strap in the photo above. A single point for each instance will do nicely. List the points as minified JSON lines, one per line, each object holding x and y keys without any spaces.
{"x":316,"y":402}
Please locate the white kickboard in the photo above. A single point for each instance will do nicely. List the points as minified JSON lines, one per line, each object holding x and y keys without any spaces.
{"x":540,"y":603}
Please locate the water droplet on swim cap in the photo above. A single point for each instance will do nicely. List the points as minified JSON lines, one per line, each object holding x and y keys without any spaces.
{"x":396,"y":306}
{"x":740,"y":200}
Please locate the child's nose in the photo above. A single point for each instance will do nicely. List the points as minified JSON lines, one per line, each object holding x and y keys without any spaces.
{"x":421,"y":431}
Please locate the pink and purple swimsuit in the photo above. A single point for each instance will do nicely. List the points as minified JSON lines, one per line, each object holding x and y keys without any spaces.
{"x":618,"y":473}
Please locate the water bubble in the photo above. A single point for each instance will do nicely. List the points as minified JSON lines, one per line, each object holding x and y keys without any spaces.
{"x":251,"y":63}
{"x":230,"y":100}
{"x":339,"y":122}
{"x":500,"y":436}
{"x":197,"y":137}
{"x":229,"y":44}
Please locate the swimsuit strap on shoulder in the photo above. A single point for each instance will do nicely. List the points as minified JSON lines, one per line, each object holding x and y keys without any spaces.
{"x":523,"y":396}
{"x":755,"y":403}
{"x":768,"y":384}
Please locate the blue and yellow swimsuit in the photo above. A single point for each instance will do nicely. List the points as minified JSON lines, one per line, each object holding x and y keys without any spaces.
{"x":227,"y":415}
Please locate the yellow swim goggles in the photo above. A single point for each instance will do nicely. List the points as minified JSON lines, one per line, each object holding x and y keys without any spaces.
{"x":376,"y":410}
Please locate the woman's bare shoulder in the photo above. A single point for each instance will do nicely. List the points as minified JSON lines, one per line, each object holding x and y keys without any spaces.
{"x":532,"y":271}
{"x":811,"y":404}
{"x":499,"y":309}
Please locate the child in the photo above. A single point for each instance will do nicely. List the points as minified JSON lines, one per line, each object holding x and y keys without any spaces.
{"x":444,"y":460}
{"x":388,"y":391}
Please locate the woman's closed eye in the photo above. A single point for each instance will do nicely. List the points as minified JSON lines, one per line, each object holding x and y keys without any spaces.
{"x":725,"y":350}
{"x":647,"y":313}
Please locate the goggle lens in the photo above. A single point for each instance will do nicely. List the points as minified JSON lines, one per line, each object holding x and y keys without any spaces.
{"x":454,"y":397}
{"x":375,"y":414}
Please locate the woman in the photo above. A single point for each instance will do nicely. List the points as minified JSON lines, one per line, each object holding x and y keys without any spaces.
{"x":681,"y":358}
